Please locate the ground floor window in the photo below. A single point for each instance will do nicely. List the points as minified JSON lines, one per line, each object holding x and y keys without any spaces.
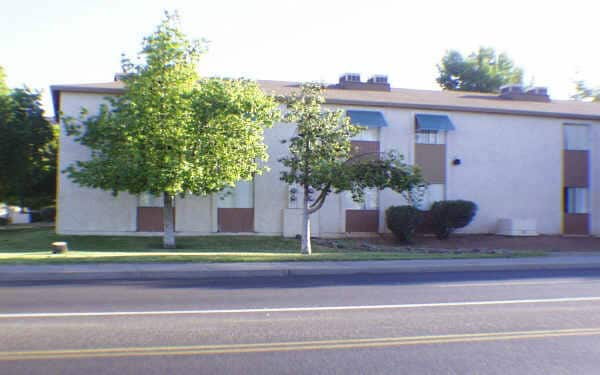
{"x":576,"y":200}
{"x":370,"y":201}
{"x":432,"y":194}
{"x":235,"y":212}
{"x":239,"y":196}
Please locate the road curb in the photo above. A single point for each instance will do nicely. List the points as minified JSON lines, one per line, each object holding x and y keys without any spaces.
{"x":140,"y":274}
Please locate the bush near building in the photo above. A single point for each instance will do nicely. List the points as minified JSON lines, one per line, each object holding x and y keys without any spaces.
{"x":447,"y":216}
{"x":403,"y":221}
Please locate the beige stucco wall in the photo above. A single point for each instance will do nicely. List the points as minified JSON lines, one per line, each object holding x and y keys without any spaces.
{"x":83,"y":210}
{"x":511,"y":167}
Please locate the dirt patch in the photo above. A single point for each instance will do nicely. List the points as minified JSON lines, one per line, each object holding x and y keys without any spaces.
{"x":468,"y":243}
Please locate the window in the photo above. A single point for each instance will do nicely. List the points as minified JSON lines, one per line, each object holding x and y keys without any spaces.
{"x":150,"y":200}
{"x":240,"y":196}
{"x":576,"y":137}
{"x":371,"y":200}
{"x":368,"y":134}
{"x":433,"y":193}
{"x":576,"y":200}
{"x":353,"y":77}
{"x":295,"y":196}
{"x":431,"y":137}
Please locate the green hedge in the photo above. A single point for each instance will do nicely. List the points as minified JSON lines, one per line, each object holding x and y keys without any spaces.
{"x":446,"y":216}
{"x":403,"y":221}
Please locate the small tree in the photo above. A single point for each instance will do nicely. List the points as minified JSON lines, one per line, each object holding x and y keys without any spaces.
{"x":319,"y":158}
{"x":170,"y":133}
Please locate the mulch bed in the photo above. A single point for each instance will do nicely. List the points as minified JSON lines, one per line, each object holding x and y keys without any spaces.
{"x":493,"y":242}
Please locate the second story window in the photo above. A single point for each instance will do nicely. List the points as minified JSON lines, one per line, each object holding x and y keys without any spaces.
{"x":576,"y":137}
{"x":431,"y":137}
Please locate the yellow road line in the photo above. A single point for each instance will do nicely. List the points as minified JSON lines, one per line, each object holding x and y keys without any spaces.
{"x":293,"y":346}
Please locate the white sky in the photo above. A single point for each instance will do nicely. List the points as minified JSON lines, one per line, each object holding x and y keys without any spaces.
{"x":76,"y":41}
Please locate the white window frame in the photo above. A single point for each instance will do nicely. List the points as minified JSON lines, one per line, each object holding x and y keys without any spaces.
{"x":370,"y":201}
{"x":577,"y":200}
{"x":576,"y":137}
{"x":228,"y":197}
{"x":427,"y":199}
{"x":430,"y":137}
{"x":368,"y":134}
{"x":150,"y":200}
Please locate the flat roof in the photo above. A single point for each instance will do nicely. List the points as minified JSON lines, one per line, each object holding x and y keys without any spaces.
{"x":458,"y":101}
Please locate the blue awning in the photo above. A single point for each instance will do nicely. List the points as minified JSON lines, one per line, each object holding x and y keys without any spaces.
{"x":434,"y":122}
{"x":371,"y":119}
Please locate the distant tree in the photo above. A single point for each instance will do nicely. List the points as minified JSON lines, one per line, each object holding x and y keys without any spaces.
{"x":583,"y":92}
{"x":482,"y":71}
{"x":27,"y":151}
{"x":171,"y":133}
{"x":3,"y":87}
{"x":320,"y":161}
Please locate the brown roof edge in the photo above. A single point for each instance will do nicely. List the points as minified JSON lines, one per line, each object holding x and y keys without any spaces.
{"x":56,"y":89}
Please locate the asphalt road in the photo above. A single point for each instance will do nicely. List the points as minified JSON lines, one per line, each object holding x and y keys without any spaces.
{"x":534,"y":322}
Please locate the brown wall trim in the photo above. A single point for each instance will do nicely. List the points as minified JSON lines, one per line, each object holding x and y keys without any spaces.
{"x":576,"y":166}
{"x":235,"y":220}
{"x":576,"y":224}
{"x":362,"y":221}
{"x":150,"y":219}
{"x":432,"y":160}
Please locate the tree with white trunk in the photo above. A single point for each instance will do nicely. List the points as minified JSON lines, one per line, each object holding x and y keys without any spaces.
{"x":320,"y":161}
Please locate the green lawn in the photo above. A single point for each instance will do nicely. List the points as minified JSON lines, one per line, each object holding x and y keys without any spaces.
{"x":32,"y":246}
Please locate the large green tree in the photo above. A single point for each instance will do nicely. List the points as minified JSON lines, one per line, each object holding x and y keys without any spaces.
{"x":27,"y":149}
{"x":171,"y":133}
{"x":320,"y":159}
{"x":481,"y":71}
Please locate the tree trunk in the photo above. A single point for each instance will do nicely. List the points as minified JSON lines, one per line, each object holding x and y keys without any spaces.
{"x":168,"y":225}
{"x":306,"y":247}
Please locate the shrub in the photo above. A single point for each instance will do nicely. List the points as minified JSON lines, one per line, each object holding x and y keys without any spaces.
{"x":446,"y":216}
{"x":48,"y":214}
{"x":403,"y":221}
{"x":4,"y":221}
{"x":34,"y":216}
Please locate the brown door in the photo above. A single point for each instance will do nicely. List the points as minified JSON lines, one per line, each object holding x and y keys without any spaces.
{"x":235,"y":212}
{"x":150,"y":219}
{"x":236,"y":220}
{"x":576,"y":224}
{"x":362,"y":221}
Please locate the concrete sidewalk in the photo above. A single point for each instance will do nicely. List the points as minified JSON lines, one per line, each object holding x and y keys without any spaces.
{"x":153,"y":271}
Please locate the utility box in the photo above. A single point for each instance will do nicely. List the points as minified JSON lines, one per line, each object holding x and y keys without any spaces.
{"x":516,"y":227}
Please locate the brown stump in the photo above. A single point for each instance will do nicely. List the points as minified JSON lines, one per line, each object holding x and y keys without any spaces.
{"x":59,"y":248}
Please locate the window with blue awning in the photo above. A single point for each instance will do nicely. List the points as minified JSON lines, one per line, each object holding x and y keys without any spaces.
{"x":429,"y":122}
{"x":370,"y":119}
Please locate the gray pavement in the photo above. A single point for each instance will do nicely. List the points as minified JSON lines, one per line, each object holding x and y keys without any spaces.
{"x":553,"y":329}
{"x":152,"y":271}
